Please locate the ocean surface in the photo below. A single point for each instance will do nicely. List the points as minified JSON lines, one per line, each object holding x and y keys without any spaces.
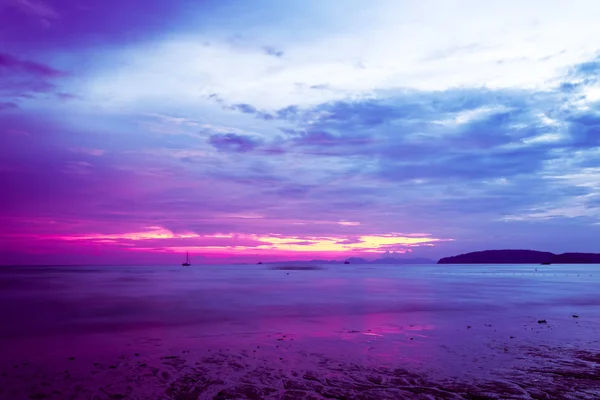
{"x":458,"y":322}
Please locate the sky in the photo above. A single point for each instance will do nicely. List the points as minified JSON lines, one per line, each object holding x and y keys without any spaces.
{"x":134,"y":131}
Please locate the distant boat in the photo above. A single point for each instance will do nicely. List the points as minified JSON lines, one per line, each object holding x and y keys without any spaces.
{"x":187,"y":260}
{"x":346,"y":262}
{"x":545,"y":263}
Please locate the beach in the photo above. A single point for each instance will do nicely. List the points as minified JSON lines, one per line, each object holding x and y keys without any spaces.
{"x":337,"y":332}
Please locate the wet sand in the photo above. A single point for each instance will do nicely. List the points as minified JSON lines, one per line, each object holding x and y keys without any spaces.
{"x":283,"y":368}
{"x":350,"y":348}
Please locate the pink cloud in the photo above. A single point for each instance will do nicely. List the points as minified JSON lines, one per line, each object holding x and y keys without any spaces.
{"x":155,"y":239}
{"x":90,"y":152}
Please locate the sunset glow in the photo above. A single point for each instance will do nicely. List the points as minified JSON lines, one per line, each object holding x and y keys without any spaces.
{"x":240,"y":131}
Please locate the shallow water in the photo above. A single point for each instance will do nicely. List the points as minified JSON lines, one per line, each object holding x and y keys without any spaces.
{"x":465,"y":322}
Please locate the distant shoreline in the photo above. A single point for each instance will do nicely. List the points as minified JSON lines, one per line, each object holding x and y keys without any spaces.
{"x":506,"y":256}
{"x":521,"y":257}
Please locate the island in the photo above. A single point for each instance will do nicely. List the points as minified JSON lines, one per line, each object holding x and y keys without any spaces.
{"x":521,"y":257}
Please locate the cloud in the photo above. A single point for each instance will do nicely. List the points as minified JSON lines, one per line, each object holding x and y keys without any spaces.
{"x":316,"y":138}
{"x":7,"y":105}
{"x":23,"y":79}
{"x":245,"y":108}
{"x":272,"y":51}
{"x":248,"y":109}
{"x":509,"y":52}
{"x":589,"y":68}
{"x":67,"y":26}
{"x":29,"y":67}
{"x":481,"y":141}
{"x":233,"y":142}
{"x":91,"y":152}
{"x":67,"y":96}
{"x":35,"y":8}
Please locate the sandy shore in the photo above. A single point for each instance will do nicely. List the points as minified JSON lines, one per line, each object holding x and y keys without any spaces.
{"x":353,"y":365}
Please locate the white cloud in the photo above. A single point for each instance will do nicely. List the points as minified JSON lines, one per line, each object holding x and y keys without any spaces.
{"x":465,"y":117}
{"x":570,"y":206}
{"x":545,"y":138}
{"x":584,"y":177}
{"x":592,"y":94}
{"x":573,"y":208}
{"x":428,"y":45}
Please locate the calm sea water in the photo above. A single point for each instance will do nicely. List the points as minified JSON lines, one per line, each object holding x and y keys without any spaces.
{"x":147,"y":332}
{"x":56,"y":300}
{"x":48,"y":308}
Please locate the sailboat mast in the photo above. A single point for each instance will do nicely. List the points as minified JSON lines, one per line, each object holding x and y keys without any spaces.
{"x":187,"y":260}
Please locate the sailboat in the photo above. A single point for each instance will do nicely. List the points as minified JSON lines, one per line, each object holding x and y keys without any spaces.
{"x":187,"y":260}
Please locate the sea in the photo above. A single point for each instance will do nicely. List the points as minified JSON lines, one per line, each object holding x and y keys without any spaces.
{"x":445,"y":325}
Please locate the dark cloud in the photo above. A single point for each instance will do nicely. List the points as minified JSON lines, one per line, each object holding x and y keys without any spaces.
{"x":272,"y":51}
{"x":586,"y":119}
{"x":467,"y":166}
{"x":319,"y":138}
{"x":288,"y":112}
{"x":583,"y":136}
{"x":589,"y":68}
{"x":66,"y":96}
{"x":362,"y":114}
{"x":5,"y":105}
{"x":215,"y":97}
{"x":245,"y":108}
{"x":11,"y":63}
{"x":468,"y":152}
{"x":462,"y":155}
{"x":325,"y":139}
{"x":248,"y":109}
{"x":572,"y":87}
{"x":581,"y":75}
{"x":232,"y":142}
{"x":20,"y":79}
{"x":291,"y":190}
{"x":22,"y":88}
{"x":583,"y":127}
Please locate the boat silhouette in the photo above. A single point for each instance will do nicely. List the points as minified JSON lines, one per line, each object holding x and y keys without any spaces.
{"x":187,"y":260}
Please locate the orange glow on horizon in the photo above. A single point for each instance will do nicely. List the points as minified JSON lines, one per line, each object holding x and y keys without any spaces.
{"x":248,"y":243}
{"x":155,"y":232}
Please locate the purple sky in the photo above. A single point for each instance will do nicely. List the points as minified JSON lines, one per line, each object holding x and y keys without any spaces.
{"x":134,"y":131}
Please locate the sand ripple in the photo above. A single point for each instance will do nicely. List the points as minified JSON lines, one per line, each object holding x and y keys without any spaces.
{"x":243,"y":375}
